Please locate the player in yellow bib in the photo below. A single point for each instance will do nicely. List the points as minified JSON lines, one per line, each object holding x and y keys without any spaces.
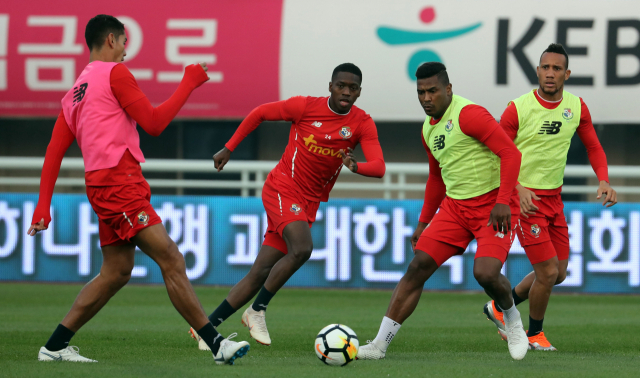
{"x":542,"y":123}
{"x":473,"y":168}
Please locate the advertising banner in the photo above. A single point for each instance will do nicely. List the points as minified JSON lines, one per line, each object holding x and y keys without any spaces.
{"x":357,"y":244}
{"x":43,"y":50}
{"x":264,"y":50}
{"x":491,"y":49}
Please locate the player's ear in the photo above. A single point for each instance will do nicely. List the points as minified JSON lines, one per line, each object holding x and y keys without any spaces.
{"x":449,"y":89}
{"x":567,"y":73}
{"x":330,"y":85}
{"x":111,"y":40}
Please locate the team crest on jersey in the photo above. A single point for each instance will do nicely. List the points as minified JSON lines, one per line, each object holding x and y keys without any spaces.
{"x":567,"y":114}
{"x":535,"y":230}
{"x":449,"y":126}
{"x":345,"y":132}
{"x":143,"y":218}
{"x":296,"y":209}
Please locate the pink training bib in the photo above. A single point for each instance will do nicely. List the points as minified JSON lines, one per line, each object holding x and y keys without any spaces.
{"x":102,"y":127}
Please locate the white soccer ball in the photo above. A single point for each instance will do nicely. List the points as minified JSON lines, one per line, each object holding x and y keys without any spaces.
{"x":336,"y":345}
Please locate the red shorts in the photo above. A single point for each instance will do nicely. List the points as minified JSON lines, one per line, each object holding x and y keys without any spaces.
{"x":122,"y":210}
{"x":548,"y":224}
{"x":284,"y":204}
{"x":460,"y":221}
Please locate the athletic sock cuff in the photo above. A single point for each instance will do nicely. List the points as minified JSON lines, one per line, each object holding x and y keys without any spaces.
{"x":59,"y":339}
{"x":211,"y":337}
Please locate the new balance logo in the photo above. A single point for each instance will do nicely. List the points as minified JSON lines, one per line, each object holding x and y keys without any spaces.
{"x":438,"y":142}
{"x":499,"y":235}
{"x":550,"y":128}
{"x":78,"y":93}
{"x":316,"y":124}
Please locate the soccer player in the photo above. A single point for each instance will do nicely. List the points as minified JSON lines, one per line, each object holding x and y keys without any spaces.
{"x":324,"y":130}
{"x":101,"y":112}
{"x":473,"y":168}
{"x":542,"y":123}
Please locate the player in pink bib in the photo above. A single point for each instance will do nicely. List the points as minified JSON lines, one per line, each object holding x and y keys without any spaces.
{"x":101,"y":112}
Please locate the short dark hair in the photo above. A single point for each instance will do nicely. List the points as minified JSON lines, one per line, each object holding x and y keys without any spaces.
{"x":430,"y":69}
{"x":556,"y":48}
{"x":99,"y":27}
{"x":347,"y":67}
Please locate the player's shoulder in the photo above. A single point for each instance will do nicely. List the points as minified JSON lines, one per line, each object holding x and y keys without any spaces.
{"x":359,"y":114}
{"x":120,"y":71}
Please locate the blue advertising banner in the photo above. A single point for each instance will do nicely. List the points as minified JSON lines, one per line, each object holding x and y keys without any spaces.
{"x":358,"y":243}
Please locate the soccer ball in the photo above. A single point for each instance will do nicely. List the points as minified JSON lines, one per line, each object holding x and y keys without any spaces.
{"x":336,"y":345}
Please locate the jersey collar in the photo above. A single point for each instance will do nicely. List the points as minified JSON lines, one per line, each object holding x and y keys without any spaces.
{"x":347,"y":113}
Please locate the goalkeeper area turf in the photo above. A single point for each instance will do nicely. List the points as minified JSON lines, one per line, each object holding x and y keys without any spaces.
{"x":139,"y":334}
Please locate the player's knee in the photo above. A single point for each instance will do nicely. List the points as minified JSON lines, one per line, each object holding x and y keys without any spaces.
{"x":301,"y":253}
{"x":547,"y":276}
{"x":485,"y":277}
{"x":118,"y":278}
{"x":420,"y":267}
{"x":562,"y":275}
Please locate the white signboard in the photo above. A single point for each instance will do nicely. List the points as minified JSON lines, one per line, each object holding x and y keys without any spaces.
{"x":490,"y":48}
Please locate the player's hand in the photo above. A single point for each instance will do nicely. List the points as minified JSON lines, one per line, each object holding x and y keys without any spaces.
{"x":526,"y":201}
{"x":195,"y":75}
{"x":416,"y":235}
{"x":35,"y":228}
{"x":611,"y":196}
{"x":500,"y":218}
{"x":221,"y":158}
{"x":349,"y":160}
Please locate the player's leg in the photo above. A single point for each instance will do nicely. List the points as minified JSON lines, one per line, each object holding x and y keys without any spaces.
{"x":407,"y":294}
{"x":547,"y":276}
{"x":431,"y":252}
{"x":297,"y":235}
{"x":244,"y":291}
{"x":156,"y":243}
{"x":115,"y":272}
{"x":486,"y":270}
{"x":491,"y":254}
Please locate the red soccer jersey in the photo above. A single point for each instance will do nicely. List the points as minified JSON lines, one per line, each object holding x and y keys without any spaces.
{"x":312,"y":156}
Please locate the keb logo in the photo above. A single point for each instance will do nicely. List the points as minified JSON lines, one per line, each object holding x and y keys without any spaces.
{"x":396,"y":36}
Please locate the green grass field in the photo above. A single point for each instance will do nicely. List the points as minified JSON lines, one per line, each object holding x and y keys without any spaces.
{"x":139,"y":334}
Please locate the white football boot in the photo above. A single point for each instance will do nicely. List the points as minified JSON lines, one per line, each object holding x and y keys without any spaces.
{"x":370,"y":352}
{"x":230,"y":350}
{"x":69,"y":353}
{"x":517,"y":339}
{"x":255,"y":321}
{"x":201,"y":344}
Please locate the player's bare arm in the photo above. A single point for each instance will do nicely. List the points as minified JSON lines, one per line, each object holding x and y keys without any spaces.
{"x":416,"y":234}
{"x":349,"y":160}
{"x":611,"y":197}
{"x":527,"y":207}
{"x":500,"y":218}
{"x":221,"y":158}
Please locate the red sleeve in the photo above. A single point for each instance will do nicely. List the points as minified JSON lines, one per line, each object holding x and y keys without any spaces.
{"x":61,"y":139}
{"x":137,"y":105}
{"x":435,"y":190}
{"x":124,"y":86}
{"x":288,"y":110}
{"x":475,"y":121}
{"x":509,"y":121}
{"x":589,"y":138}
{"x":374,"y":166}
